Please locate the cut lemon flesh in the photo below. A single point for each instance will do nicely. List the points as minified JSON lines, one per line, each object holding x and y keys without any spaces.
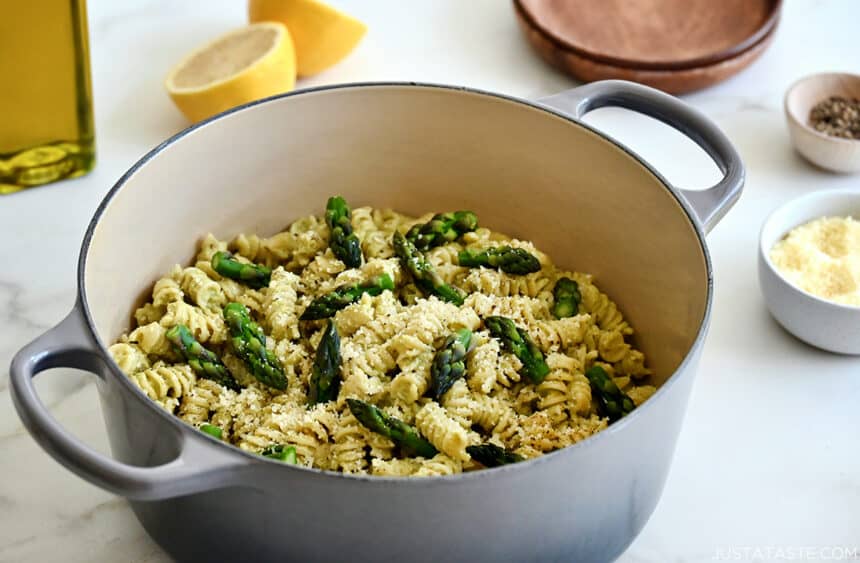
{"x":322,"y":35}
{"x":242,"y":66}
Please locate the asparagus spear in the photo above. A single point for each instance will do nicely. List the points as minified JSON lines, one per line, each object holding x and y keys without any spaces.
{"x":505,"y":258}
{"x":212,"y":430}
{"x":204,"y":363}
{"x":491,"y":455}
{"x":255,"y":276}
{"x":613,"y":402}
{"x":287,"y":454}
{"x":343,"y":241}
{"x":516,"y":341}
{"x":327,"y":305}
{"x":442,"y":228}
{"x":325,"y":377}
{"x":422,"y":271}
{"x":409,"y":439}
{"x":449,"y":363}
{"x":567,"y":298}
{"x":248,"y":341}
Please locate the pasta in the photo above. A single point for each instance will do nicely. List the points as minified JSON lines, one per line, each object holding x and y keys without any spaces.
{"x":387,"y":346}
{"x":129,"y":357}
{"x":165,"y":384}
{"x":206,"y":326}
{"x":348,"y":449}
{"x":443,"y":432}
{"x":203,"y":290}
{"x":459,"y":404}
{"x":150,"y":338}
{"x":279,"y":305}
{"x":395,"y":467}
{"x":204,"y":398}
{"x":440,"y":464}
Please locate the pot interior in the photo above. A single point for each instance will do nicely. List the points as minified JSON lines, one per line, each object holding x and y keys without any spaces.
{"x":526,"y":172}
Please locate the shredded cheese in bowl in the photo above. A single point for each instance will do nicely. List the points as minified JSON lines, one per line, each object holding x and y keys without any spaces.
{"x":822,"y":257}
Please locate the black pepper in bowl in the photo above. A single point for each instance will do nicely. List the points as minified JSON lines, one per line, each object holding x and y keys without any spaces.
{"x":837,"y":116}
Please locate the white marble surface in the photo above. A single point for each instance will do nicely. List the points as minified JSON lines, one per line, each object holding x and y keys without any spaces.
{"x":769,"y":457}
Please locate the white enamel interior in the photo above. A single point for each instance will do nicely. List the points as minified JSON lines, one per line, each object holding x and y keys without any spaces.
{"x":526,"y":172}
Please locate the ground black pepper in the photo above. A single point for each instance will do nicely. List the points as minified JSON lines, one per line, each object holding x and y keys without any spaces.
{"x":837,"y":116}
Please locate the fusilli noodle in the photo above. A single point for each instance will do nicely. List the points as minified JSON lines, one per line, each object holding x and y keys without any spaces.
{"x":443,"y":431}
{"x":165,"y":384}
{"x":130,"y":358}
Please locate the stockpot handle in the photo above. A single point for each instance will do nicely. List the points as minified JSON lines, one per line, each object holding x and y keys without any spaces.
{"x":70,"y":344}
{"x":708,"y":205}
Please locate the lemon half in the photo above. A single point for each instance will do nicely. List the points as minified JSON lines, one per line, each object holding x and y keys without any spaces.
{"x":242,"y":66}
{"x":322,"y":35}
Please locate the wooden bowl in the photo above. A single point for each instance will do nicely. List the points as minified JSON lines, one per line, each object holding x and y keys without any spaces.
{"x":675,"y":45}
{"x":832,"y":153}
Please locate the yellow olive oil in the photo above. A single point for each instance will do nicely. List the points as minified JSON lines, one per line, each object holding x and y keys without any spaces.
{"x":46,"y":117}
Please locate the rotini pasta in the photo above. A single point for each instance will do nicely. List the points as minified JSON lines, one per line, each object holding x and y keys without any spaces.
{"x":440,"y":464}
{"x":165,"y":291}
{"x":207,"y":401}
{"x":348,"y":453}
{"x":489,"y":369}
{"x":203,"y":290}
{"x":555,"y":389}
{"x":387,"y":345}
{"x":164,"y":384}
{"x":459,"y":403}
{"x":443,"y":431}
{"x":395,"y":467}
{"x":130,"y":358}
{"x":279,"y":306}
{"x":152,"y":339}
{"x":498,"y":419}
{"x":206,"y":326}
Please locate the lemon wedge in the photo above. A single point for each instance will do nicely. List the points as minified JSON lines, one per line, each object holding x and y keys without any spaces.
{"x":242,"y":66}
{"x":322,"y":35}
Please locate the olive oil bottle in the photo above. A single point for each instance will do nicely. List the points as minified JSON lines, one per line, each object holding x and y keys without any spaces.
{"x":46,"y":117}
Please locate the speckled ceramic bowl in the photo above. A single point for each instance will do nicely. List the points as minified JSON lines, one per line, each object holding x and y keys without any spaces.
{"x":824,"y":324}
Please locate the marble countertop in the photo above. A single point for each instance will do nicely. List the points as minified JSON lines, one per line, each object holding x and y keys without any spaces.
{"x":768,"y":462}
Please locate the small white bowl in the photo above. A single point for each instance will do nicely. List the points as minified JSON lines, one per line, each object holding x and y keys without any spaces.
{"x":827,"y":325}
{"x":833,"y":153}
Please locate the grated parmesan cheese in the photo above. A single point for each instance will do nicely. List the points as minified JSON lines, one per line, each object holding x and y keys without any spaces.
{"x":822,"y":257}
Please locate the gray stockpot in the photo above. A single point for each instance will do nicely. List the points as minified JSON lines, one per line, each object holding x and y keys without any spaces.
{"x":531,"y":169}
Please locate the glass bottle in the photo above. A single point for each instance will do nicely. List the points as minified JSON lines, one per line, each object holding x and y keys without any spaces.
{"x":46,"y":116}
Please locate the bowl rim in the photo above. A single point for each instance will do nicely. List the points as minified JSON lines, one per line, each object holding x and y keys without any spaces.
{"x":184,"y":430}
{"x":765,"y":252}
{"x":794,"y":119}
